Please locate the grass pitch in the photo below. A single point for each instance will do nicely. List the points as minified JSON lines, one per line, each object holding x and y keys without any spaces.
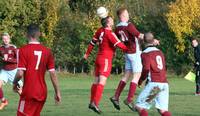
{"x":76,"y":92}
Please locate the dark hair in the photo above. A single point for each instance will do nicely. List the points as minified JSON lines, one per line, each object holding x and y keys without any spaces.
{"x":148,"y":37}
{"x":120,"y":11}
{"x":194,"y":38}
{"x":33,"y":31}
{"x":104,"y":21}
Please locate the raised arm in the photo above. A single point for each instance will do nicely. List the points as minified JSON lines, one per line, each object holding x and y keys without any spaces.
{"x":114,"y":40}
{"x":92,"y":43}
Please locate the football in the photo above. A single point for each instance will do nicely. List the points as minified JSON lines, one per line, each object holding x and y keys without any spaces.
{"x":102,"y":12}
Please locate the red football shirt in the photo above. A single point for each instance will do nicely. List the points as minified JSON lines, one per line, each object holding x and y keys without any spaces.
{"x":35,"y":59}
{"x":11,"y":52}
{"x":127,"y":32}
{"x":154,"y":67}
{"x":107,"y":41}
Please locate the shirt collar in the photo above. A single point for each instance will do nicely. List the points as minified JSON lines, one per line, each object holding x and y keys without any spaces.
{"x":122,"y":24}
{"x":34,"y":43}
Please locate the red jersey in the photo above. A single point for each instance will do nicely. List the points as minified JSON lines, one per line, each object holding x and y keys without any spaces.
{"x":35,"y":59}
{"x":154,"y":67}
{"x":107,"y":43}
{"x":128,"y":34}
{"x":11,"y":52}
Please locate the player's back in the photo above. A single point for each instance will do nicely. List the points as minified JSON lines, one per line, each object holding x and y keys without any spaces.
{"x":107,"y":40}
{"x":157,"y":63}
{"x":35,"y":59}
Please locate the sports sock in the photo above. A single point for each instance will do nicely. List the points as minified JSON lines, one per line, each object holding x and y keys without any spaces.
{"x":1,"y":93}
{"x":98,"y":94}
{"x":166,"y":114}
{"x":143,"y":113}
{"x":131,"y":92}
{"x":93,"y":89}
{"x":119,"y":89}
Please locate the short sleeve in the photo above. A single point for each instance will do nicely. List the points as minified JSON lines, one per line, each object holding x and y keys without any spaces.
{"x":22,"y":60}
{"x":51,"y":62}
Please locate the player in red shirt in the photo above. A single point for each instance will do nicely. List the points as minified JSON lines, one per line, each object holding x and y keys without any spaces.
{"x":8,"y":54}
{"x":34,"y":60}
{"x":107,"y":44}
{"x":156,"y":91}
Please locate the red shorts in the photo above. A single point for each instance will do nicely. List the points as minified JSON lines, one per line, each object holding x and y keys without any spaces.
{"x":103,"y":66}
{"x":29,"y":108}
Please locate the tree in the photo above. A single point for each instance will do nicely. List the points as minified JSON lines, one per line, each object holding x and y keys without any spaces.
{"x":183,"y":19}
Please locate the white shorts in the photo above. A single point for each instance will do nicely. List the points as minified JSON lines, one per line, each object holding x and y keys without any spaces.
{"x":161,"y":100}
{"x":133,"y":62}
{"x":8,"y":76}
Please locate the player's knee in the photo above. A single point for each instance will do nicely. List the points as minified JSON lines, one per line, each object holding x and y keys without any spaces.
{"x":1,"y":83}
{"x":164,"y":112}
{"x":102,"y":80}
{"x":136,"y":77}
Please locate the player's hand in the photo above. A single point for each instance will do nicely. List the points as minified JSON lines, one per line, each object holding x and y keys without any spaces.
{"x":156,"y":42}
{"x":57,"y":98}
{"x":85,"y":56}
{"x":16,"y":88}
{"x":140,"y":84}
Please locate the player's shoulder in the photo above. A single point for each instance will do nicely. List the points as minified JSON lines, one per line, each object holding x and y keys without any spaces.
{"x":150,"y":49}
{"x":13,"y":46}
{"x":1,"y":46}
{"x":99,"y":30}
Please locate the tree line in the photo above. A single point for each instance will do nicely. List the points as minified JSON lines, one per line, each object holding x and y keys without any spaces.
{"x":68,"y":25}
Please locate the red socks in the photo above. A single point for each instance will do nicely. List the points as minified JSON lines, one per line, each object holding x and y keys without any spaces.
{"x":131,"y":92}
{"x":143,"y":113}
{"x":166,"y":114}
{"x":98,"y":94}
{"x":1,"y":93}
{"x":119,"y":89}
{"x":93,"y":89}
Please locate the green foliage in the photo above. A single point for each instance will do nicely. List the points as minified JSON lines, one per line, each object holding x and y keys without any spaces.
{"x":183,"y":19}
{"x":68,"y":26}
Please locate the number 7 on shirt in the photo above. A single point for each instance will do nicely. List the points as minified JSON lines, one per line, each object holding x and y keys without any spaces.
{"x":39,"y":55}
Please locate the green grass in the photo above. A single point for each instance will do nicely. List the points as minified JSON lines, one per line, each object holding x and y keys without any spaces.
{"x":76,"y":92}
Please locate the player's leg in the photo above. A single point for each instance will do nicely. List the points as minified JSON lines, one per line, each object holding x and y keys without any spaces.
{"x":3,"y":79}
{"x":162,"y":100}
{"x":26,"y":108}
{"x":137,"y":69}
{"x":94,"y":90}
{"x":104,"y":72}
{"x":142,"y":105}
{"x":97,"y":89}
{"x":197,"y":82}
{"x":164,"y":112}
{"x":100,"y":88}
{"x":39,"y":108}
{"x":141,"y":111}
{"x":122,"y":83}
